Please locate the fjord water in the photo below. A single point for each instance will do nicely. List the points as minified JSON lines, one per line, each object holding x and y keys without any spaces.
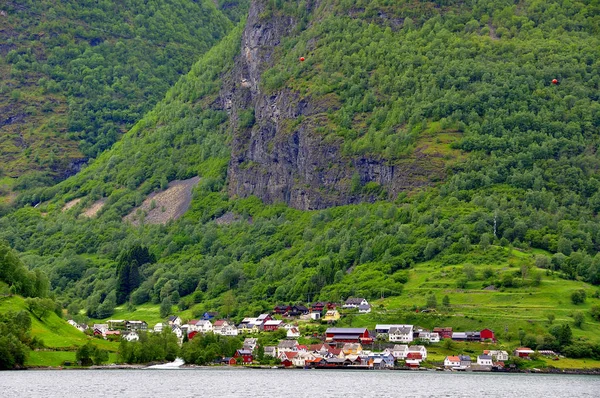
{"x":297,"y":383}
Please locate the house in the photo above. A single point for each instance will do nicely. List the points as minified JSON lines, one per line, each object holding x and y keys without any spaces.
{"x":317,"y":307}
{"x":352,"y":349}
{"x":130,"y":336}
{"x":444,"y":333}
{"x":250,"y":344}
{"x":293,"y":333}
{"x":523,"y":352}
{"x":218,"y":325}
{"x":230,"y":361}
{"x":452,"y":362}
{"x":499,"y":356}
{"x":282,"y":309}
{"x":177,"y":330}
{"x":101,"y":327}
{"x":354,"y":302}
{"x":245,"y":355}
{"x":228,"y":330}
{"x":262,"y":318}
{"x":487,"y":334}
{"x":207,"y":316}
{"x":204,"y":326}
{"x":400,"y":351}
{"x":364,"y":309}
{"x":348,"y":335}
{"x":287,"y":357}
{"x":271,"y":325}
{"x":426,"y":335}
{"x":271,"y":351}
{"x":413,"y":359}
{"x":174,"y":320}
{"x":248,"y":328}
{"x":401,"y":334}
{"x":385,"y":328}
{"x":301,"y":358}
{"x":420,"y":349}
{"x":81,"y":328}
{"x":192,"y":334}
{"x":465,"y":361}
{"x":331,"y":315}
{"x":484,"y":360}
{"x":136,"y":325}
{"x":315,"y":316}
{"x":158,"y":327}
{"x":287,"y":346}
{"x":298,"y":310}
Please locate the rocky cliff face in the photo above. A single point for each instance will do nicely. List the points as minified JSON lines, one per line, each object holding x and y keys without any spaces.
{"x":280,"y":159}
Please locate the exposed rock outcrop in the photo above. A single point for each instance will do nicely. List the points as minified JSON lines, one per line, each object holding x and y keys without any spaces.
{"x":297,"y":165}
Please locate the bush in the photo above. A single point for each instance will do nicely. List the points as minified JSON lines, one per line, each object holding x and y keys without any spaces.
{"x":578,"y":297}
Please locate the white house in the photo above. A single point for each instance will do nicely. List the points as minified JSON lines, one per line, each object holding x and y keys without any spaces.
{"x":131,"y":336}
{"x":228,"y":330}
{"x":203,"y":326}
{"x":426,"y":335}
{"x":452,"y":362}
{"x":101,"y":327}
{"x":400,"y":351}
{"x":401,"y":334}
{"x":300,"y":359}
{"x":499,"y":356}
{"x":484,"y":360}
{"x":177,"y":330}
{"x":158,"y":327}
{"x":354,"y":302}
{"x":293,"y":333}
{"x":250,"y":344}
{"x":174,"y":320}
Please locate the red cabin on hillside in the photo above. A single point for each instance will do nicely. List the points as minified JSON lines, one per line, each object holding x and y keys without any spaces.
{"x":487,"y":334}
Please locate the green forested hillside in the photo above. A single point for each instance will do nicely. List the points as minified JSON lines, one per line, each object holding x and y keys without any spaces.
{"x":76,"y":75}
{"x":470,"y":81}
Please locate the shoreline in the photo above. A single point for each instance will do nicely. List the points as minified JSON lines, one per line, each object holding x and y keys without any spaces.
{"x":554,"y":371}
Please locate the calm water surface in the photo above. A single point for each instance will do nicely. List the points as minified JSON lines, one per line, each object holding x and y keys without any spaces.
{"x":289,"y":383}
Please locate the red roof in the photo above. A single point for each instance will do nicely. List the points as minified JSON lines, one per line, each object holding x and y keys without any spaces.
{"x":219,"y":322}
{"x":335,"y":351}
{"x":414,"y":355}
{"x":290,"y":354}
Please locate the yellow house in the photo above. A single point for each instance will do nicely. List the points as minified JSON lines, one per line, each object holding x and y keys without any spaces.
{"x":352,"y":349}
{"x":331,"y":315}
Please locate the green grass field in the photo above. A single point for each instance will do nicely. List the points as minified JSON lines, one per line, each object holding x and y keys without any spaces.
{"x":56,"y":333}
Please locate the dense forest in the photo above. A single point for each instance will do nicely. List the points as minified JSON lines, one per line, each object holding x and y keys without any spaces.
{"x":470,"y":80}
{"x":76,"y":75}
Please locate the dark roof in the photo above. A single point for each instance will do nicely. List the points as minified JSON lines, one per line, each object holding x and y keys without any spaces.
{"x":354,"y":300}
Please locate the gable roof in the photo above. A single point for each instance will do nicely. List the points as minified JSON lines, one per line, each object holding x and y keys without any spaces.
{"x":453,"y":358}
{"x":355,"y":300}
{"x":287,"y":344}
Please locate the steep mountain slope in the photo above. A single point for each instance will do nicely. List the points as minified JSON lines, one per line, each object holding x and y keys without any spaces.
{"x":443,"y":114}
{"x":76,"y":75}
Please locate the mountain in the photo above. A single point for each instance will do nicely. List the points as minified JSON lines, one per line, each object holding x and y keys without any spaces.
{"x":76,"y":75}
{"x":421,"y":148}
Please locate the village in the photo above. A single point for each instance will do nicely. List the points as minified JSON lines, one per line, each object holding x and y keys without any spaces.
{"x":387,"y":346}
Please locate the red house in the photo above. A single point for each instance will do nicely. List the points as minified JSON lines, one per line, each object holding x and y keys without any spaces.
{"x":318,"y":307}
{"x":230,"y":361}
{"x":192,"y":334}
{"x":445,"y":333}
{"x":348,"y":335}
{"x":487,"y":334}
{"x":246,"y":356}
{"x":286,"y":358}
{"x":272,"y":325}
{"x":281,"y":309}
